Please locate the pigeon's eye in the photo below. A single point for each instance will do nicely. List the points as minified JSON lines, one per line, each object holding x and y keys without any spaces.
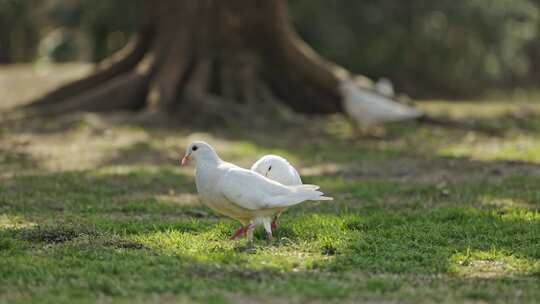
{"x":194,"y":148}
{"x":269,"y":168}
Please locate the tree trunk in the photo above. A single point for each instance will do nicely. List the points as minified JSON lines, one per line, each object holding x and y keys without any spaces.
{"x":4,"y":42}
{"x":207,"y":54}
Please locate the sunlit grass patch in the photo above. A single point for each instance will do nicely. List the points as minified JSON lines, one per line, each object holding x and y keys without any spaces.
{"x":505,"y":202}
{"x":490,"y":108}
{"x":8,"y":221}
{"x":519,"y":148}
{"x":491,"y":264}
{"x":299,"y":245}
{"x":179,"y":199}
{"x":513,"y":214}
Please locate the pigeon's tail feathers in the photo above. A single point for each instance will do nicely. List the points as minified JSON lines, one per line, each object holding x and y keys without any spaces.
{"x":307,"y":186}
{"x":299,"y":194}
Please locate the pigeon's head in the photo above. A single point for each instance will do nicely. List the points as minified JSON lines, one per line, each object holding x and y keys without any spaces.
{"x":199,"y":151}
{"x":272,"y":166}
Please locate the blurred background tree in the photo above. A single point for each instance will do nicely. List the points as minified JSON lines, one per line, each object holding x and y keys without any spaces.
{"x":439,"y":48}
{"x":65,"y":30}
{"x":18,"y":31}
{"x":428,"y":48}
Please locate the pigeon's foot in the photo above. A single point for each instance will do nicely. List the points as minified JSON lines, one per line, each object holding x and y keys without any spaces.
{"x":238,"y":233}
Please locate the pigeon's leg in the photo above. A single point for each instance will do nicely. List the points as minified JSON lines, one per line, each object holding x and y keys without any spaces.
{"x":249,"y":231}
{"x":239,"y":233}
{"x":274,"y":224}
{"x":268,"y":228}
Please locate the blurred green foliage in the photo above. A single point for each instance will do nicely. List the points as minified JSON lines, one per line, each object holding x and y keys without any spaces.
{"x":109,"y":23}
{"x":18,"y":30}
{"x":440,"y":48}
{"x":59,"y":29}
{"x":434,"y":48}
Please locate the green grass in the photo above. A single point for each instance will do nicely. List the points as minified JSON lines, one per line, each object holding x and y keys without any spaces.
{"x":96,"y":209}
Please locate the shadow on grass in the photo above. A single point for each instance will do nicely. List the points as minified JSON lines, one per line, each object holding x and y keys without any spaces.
{"x":13,"y":160}
{"x":104,"y":193}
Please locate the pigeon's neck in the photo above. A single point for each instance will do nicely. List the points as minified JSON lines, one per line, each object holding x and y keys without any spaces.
{"x":208,"y":161}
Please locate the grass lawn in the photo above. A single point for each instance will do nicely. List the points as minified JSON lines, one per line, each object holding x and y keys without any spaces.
{"x":94,"y":208}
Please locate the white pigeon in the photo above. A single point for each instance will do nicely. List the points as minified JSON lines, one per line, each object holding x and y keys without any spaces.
{"x":277,"y":169}
{"x":370,"y":108}
{"x":243,"y":194}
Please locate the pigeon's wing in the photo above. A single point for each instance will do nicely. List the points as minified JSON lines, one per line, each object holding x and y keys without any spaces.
{"x":249,"y":189}
{"x":253,"y":191}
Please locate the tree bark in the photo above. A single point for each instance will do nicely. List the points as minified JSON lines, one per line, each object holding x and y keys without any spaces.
{"x":207,"y":54}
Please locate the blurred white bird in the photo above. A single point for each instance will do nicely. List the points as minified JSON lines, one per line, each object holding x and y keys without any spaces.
{"x":369,"y":107}
{"x":277,"y":169}
{"x":243,"y":194}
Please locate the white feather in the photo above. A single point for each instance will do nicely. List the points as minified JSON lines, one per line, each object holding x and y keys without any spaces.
{"x":369,"y":107}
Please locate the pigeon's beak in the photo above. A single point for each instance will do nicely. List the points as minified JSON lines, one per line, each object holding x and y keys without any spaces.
{"x":185,"y":159}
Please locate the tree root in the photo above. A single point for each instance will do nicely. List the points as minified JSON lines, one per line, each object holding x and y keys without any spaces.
{"x":120,"y":63}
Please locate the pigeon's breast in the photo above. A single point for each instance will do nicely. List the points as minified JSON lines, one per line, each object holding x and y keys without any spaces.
{"x":207,"y":183}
